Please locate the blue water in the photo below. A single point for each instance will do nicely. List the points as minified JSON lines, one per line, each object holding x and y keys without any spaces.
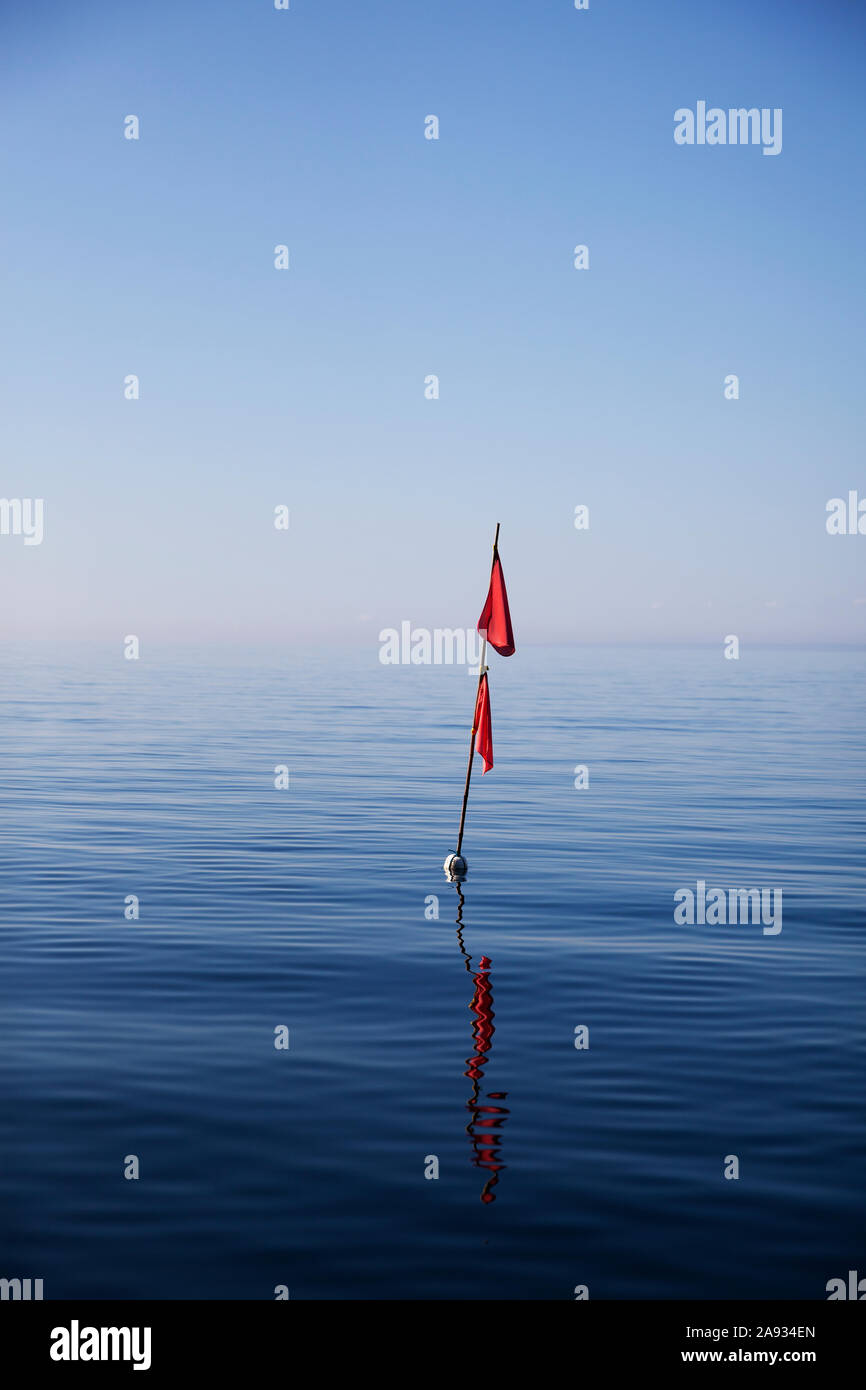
{"x":306,"y":907}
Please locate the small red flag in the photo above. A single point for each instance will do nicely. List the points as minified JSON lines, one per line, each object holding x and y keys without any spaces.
{"x":483,"y":726}
{"x":495,"y":617}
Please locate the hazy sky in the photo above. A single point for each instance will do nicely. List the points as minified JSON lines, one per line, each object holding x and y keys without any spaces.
{"x":411,"y":257}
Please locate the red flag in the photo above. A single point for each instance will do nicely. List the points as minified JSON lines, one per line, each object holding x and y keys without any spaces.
{"x":495,"y":616}
{"x":483,"y":725}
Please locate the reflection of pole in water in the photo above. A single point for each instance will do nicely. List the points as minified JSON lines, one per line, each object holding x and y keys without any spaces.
{"x":463,"y":950}
{"x":485,"y":1124}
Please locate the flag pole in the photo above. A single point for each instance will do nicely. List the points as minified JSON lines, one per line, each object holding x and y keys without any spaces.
{"x":481,"y":670}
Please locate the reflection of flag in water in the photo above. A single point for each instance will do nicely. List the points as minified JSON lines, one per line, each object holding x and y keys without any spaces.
{"x":487,"y":1120}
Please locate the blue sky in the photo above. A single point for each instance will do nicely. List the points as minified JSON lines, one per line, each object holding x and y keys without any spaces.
{"x":412,"y":257}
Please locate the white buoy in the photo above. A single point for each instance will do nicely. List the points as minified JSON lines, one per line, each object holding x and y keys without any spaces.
{"x":455,"y":867}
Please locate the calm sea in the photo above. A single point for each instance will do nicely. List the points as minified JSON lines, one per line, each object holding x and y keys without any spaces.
{"x":418,"y":1040}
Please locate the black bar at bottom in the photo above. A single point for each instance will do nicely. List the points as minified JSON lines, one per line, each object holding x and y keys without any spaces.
{"x":409,"y":1339}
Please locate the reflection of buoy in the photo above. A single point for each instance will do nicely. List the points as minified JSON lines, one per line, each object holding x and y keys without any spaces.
{"x":455,"y":867}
